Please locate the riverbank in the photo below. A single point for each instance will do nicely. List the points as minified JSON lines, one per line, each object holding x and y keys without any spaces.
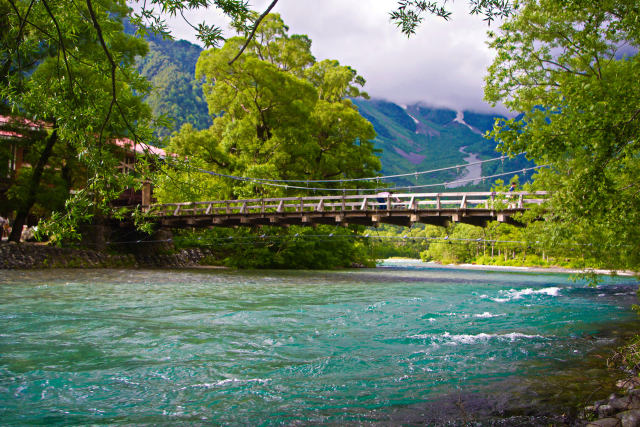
{"x":26,"y":256}
{"x":620,"y":409}
{"x":514,"y":269}
{"x":36,"y":255}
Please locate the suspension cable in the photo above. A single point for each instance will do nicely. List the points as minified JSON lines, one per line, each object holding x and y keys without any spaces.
{"x":373,"y":178}
{"x":377,"y":189}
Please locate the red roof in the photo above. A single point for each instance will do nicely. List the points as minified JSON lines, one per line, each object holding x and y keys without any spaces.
{"x":23,"y":121}
{"x":10,"y":134}
{"x":125,"y":143}
{"x":139,"y":148}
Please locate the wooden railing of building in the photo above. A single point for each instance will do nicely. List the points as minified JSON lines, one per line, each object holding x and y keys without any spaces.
{"x":402,"y":209}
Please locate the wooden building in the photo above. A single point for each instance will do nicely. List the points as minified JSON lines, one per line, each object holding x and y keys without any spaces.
{"x":13,"y":153}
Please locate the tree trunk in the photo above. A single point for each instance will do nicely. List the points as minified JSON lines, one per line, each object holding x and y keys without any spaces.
{"x":32,"y":190}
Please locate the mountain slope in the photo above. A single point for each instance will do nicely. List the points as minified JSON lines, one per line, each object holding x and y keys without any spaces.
{"x":170,"y":67}
{"x":419,"y":138}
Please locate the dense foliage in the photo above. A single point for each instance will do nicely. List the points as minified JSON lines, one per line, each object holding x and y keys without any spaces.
{"x":67,"y":72}
{"x":572,"y":68}
{"x":67,"y":69}
{"x":282,"y":248}
{"x":497,"y":244}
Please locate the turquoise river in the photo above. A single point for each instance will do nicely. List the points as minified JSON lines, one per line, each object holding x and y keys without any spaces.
{"x":405,"y":343}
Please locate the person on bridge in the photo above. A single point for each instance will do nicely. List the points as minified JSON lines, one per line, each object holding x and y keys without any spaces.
{"x":512,"y":188}
{"x":384,"y":196}
{"x":382,"y":199}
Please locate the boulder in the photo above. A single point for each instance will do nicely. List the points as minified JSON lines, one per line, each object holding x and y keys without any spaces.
{"x":620,"y":403}
{"x":629,"y":383}
{"x":629,"y":418}
{"x":605,"y":422}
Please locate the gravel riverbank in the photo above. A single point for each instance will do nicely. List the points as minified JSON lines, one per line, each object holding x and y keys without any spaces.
{"x":514,"y":269}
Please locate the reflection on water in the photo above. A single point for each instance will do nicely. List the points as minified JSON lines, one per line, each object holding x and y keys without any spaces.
{"x":402,"y":344}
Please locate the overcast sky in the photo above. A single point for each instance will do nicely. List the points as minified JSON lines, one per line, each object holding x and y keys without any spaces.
{"x":443,"y":64}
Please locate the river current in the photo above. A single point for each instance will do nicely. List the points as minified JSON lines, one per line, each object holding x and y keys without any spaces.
{"x":402,"y":343}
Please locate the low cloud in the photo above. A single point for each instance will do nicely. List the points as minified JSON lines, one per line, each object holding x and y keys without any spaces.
{"x":443,"y":64}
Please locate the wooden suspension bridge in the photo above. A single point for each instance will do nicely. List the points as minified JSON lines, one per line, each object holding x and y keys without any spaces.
{"x":476,"y":208}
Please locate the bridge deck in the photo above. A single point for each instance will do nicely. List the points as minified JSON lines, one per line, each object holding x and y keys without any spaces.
{"x":475,"y":208}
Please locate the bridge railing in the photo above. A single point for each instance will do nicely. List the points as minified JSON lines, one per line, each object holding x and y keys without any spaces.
{"x":395,"y":202}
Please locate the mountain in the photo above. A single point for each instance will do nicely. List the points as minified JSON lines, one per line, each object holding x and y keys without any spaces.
{"x":413,"y":138}
{"x":170,"y":66}
{"x":419,"y":138}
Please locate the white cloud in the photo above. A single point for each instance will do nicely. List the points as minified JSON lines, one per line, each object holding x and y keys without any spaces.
{"x":443,"y":64}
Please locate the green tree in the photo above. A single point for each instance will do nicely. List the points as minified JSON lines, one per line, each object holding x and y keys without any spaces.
{"x":69,"y":68}
{"x":276,"y":247}
{"x":56,"y":73}
{"x":460,"y":246}
{"x":277,"y":114}
{"x":572,"y":68}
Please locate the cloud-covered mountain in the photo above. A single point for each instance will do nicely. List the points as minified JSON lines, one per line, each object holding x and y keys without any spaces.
{"x":417,"y":138}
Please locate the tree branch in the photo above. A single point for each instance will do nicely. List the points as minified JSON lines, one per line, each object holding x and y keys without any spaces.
{"x":4,"y":74}
{"x":64,"y":50}
{"x":253,"y":30}
{"x":113,"y":67}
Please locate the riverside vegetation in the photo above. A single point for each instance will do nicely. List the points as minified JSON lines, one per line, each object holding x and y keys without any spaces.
{"x":528,"y":245}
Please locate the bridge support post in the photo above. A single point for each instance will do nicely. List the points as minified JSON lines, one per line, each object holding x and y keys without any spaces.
{"x":96,"y":234}
{"x":146,"y":195}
